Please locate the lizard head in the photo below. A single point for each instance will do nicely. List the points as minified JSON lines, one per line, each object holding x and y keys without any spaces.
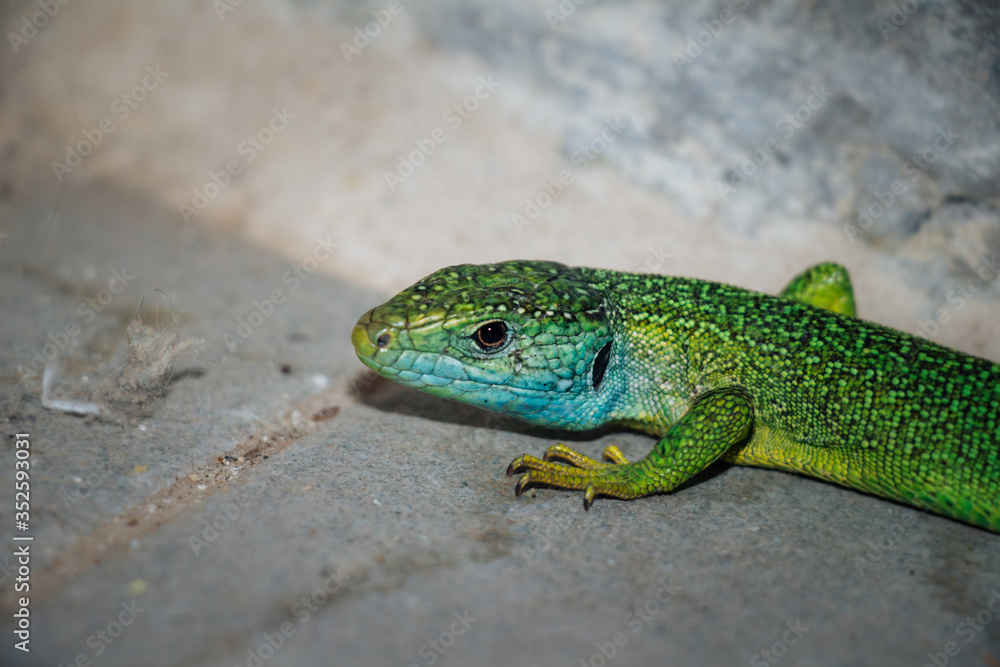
{"x":526,"y":338}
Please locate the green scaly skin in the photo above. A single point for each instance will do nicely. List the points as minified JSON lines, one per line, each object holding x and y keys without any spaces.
{"x":792,"y":382}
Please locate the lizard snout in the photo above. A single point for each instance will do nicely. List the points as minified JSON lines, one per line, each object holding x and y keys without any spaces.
{"x":371,"y":336}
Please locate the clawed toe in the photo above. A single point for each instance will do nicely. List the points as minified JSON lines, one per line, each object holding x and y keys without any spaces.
{"x":594,"y":478}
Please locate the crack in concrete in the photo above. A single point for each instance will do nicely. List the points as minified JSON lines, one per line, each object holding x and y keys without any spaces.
{"x":114,"y":536}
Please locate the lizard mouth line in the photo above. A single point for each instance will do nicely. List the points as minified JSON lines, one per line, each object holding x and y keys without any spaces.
{"x":377,"y":353}
{"x":384,"y":359}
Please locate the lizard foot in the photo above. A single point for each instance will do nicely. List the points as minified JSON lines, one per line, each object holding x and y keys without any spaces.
{"x":615,"y":477}
{"x":715,"y":422}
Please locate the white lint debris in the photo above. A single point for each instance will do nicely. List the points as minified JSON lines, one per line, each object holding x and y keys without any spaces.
{"x":138,"y":372}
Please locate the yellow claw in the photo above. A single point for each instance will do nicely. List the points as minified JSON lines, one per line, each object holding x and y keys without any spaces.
{"x":571,"y":456}
{"x":526,"y":461}
{"x":521,"y":483}
{"x":614,"y":455}
{"x":611,"y":456}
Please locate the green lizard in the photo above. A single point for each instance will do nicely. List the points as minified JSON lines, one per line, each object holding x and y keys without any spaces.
{"x":792,"y":382}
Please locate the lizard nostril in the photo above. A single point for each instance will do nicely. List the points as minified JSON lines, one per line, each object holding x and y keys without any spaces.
{"x":383,"y":339}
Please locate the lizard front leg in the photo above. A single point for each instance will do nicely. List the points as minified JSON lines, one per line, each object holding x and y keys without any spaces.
{"x":717,"y":421}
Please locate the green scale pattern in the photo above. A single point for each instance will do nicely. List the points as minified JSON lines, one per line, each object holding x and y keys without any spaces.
{"x":792,"y":382}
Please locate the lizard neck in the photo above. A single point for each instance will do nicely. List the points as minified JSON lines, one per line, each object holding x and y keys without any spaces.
{"x":650,"y":373}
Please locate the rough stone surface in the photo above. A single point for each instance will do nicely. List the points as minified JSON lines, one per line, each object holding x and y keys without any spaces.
{"x":850,"y":94}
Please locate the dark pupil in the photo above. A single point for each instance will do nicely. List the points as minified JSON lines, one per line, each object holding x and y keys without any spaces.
{"x":492,"y":334}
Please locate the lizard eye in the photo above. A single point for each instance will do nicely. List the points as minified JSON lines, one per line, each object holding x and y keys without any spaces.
{"x":491,"y":336}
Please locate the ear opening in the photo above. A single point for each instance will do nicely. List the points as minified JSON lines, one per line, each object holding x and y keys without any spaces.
{"x":600,"y":365}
